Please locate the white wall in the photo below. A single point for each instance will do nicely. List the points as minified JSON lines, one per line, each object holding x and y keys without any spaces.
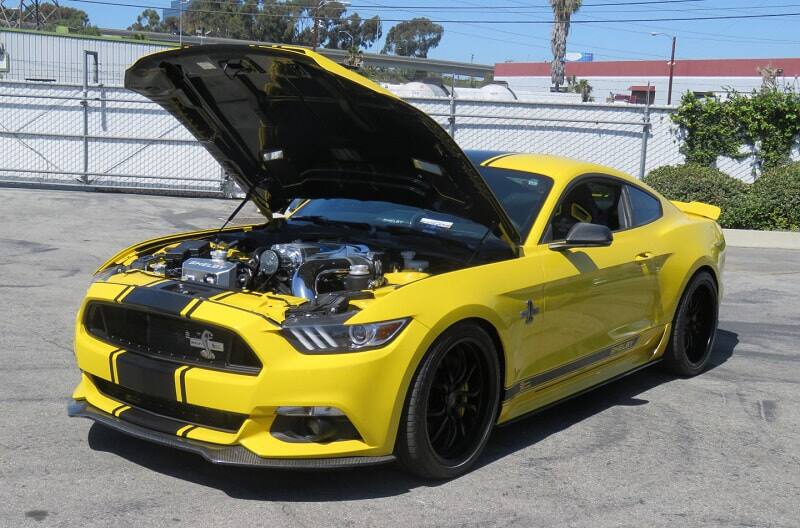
{"x":60,"y":57}
{"x":602,"y":86}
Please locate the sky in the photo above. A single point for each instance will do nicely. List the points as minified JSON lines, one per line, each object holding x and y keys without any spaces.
{"x":494,"y":31}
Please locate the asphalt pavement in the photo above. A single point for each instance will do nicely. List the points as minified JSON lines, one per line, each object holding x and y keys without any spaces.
{"x":721,"y":449}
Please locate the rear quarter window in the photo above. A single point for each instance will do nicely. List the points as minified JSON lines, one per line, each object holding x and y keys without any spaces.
{"x":644,"y":207}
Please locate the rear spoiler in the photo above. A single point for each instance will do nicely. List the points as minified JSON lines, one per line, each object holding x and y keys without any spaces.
{"x":698,"y":209}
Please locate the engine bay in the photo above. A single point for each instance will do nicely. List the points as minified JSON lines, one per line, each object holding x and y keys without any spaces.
{"x":301,"y":268}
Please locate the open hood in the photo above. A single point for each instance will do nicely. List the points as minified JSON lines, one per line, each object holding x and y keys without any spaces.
{"x":287,"y":123}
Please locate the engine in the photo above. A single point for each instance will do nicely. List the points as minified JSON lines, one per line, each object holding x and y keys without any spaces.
{"x":301,"y":269}
{"x":314,"y":268}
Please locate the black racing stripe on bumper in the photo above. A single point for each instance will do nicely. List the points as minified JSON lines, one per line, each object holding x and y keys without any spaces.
{"x":111,"y":368}
{"x":158,"y":300}
{"x":151,"y":421}
{"x":230,"y":455}
{"x":147,"y":375}
{"x":186,"y":431}
{"x":182,"y":381}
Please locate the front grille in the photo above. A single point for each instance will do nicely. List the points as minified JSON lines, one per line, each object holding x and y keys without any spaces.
{"x":170,"y":337}
{"x":185,"y":412}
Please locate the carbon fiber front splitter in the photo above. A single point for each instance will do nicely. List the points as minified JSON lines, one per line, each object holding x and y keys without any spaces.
{"x":218,"y":454}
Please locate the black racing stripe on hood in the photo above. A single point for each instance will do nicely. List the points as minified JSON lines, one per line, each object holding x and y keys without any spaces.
{"x":158,"y":300}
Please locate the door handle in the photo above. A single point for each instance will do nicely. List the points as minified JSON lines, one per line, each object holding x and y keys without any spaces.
{"x":643,"y":257}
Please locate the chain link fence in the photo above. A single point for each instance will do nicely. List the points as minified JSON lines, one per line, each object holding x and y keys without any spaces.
{"x":612,"y":136}
{"x":97,"y":137}
{"x":66,"y":120}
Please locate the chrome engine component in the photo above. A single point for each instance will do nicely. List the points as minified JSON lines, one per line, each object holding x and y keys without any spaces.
{"x":313,"y":265}
{"x":413,"y":265}
{"x":268,"y":262}
{"x":214,"y":271}
{"x":303,"y":269}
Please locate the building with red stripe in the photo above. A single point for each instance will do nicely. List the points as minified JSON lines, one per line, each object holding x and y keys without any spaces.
{"x":627,"y":78}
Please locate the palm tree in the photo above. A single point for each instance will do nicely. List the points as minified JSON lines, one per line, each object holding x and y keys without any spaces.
{"x":562,"y":11}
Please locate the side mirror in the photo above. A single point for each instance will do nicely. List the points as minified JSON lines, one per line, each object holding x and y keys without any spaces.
{"x":585,"y":235}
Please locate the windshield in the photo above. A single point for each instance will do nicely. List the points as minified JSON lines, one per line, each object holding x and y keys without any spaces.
{"x":521,"y":194}
{"x":390,"y":217}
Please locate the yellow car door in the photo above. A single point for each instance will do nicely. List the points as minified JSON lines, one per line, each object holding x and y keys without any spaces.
{"x":598,"y":301}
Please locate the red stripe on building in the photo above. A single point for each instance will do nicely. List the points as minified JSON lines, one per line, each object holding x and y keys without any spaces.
{"x":652,"y":68}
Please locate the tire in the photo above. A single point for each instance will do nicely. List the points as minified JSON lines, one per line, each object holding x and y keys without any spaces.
{"x":452,"y":404}
{"x":694,"y":327}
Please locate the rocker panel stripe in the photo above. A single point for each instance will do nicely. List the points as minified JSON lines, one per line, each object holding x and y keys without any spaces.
{"x":538,"y":380}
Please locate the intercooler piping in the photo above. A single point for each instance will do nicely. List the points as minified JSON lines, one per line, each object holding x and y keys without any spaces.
{"x":304,"y":279}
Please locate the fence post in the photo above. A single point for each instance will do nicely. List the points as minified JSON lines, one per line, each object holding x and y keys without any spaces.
{"x":645,"y":133}
{"x":452,"y":119}
{"x":85,"y":105}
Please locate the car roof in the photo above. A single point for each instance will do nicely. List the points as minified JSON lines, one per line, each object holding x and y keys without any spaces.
{"x":561,"y":169}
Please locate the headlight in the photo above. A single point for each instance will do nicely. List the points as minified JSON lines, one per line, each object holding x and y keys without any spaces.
{"x":107,"y":273}
{"x":321,"y":338}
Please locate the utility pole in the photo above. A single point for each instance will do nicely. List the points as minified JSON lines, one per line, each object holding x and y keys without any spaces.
{"x":180,"y":23}
{"x":671,"y":71}
{"x":671,"y":63}
{"x":315,"y":29}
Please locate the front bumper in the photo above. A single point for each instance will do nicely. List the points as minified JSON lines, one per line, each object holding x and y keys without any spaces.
{"x":228,"y":455}
{"x":369,"y":387}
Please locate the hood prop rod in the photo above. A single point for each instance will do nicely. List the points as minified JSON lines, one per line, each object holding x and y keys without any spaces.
{"x":239,"y":207}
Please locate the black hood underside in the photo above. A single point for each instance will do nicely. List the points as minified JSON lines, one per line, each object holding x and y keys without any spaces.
{"x":286,"y":123}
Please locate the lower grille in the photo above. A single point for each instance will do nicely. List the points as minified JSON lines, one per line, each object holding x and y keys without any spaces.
{"x":185,"y":412}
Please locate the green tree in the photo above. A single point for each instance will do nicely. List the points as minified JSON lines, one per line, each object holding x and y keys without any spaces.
{"x":76,"y":20}
{"x":582,"y":87}
{"x":148,"y":20}
{"x":562,"y":13}
{"x":413,"y":38}
{"x":282,"y":27}
{"x":280,"y":21}
{"x":364,"y":33}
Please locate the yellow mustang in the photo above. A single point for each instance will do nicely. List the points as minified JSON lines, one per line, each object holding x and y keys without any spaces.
{"x":409,"y":297}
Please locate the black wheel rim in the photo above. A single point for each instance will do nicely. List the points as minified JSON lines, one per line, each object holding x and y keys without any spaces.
{"x":699,"y":325}
{"x":458,"y":402}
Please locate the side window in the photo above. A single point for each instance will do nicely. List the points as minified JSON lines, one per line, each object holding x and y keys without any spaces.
{"x":594,"y":201}
{"x":645,"y":208}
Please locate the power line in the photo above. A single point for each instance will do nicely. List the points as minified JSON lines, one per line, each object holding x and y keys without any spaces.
{"x":515,"y":9}
{"x":457,"y":8}
{"x":529,"y":37}
{"x":719,"y":37}
{"x":629,"y":52}
{"x":457,"y":21}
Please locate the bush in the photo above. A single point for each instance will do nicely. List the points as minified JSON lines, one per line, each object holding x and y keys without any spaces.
{"x":693,"y":182}
{"x":775,"y":199}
